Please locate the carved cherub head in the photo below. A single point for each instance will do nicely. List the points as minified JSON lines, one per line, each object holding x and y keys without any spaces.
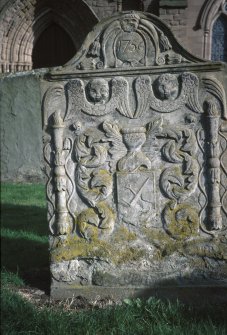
{"x":98,"y":91}
{"x":167,"y":86}
{"x":130,"y":22}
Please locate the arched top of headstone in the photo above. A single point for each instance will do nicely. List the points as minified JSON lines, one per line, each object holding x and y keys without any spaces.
{"x":129,"y":40}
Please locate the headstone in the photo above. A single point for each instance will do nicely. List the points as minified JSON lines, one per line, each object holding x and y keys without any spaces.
{"x":135,"y":138}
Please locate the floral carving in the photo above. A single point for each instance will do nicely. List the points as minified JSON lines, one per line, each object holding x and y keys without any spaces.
{"x":90,"y":154}
{"x":178,"y":181}
{"x":94,"y":149}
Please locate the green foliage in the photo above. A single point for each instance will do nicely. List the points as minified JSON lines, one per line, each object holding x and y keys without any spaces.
{"x":24,"y":232}
{"x":9,"y":278}
{"x":152,"y":317}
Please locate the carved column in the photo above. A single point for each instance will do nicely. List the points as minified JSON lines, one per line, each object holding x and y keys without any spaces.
{"x":213,"y":164}
{"x":61,"y":212}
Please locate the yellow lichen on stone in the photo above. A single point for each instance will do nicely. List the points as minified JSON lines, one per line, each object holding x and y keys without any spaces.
{"x":181,"y":220}
{"x":128,"y":254}
{"x":86,"y":223}
{"x":117,"y":251}
{"x":123,"y":234}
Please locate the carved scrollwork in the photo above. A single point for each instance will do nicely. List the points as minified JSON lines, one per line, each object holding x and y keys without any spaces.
{"x":129,"y":40}
{"x":116,"y":148}
{"x":91,"y":154}
{"x":178,"y":181}
{"x":94,"y":149}
{"x":95,"y":222}
{"x":181,"y":221}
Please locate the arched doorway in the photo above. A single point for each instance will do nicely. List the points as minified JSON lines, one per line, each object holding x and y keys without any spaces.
{"x":54,"y":47}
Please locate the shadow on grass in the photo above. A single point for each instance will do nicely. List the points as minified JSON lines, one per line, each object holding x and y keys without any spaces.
{"x":25,"y":244}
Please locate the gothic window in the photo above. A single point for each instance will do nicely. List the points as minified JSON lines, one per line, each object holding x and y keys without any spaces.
{"x":54,"y":47}
{"x":219,"y":39}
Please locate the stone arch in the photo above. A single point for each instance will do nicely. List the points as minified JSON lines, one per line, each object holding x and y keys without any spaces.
{"x":210,"y":12}
{"x":49,"y":51}
{"x":23,"y":21}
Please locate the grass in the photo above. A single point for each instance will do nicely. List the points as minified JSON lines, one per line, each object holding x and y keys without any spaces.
{"x":24,"y":233}
{"x":25,"y":262}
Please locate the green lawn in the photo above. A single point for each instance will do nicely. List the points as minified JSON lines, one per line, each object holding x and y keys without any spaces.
{"x":24,"y":232}
{"x":25,"y":262}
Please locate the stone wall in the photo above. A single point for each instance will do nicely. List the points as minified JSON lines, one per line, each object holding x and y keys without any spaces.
{"x":22,"y":22}
{"x":191,"y":21}
{"x":103,"y":8}
{"x":21,"y":127}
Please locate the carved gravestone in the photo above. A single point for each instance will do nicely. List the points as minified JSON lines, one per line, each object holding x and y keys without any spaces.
{"x":135,"y":144}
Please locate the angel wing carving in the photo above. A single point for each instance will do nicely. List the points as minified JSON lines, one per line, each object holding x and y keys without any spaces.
{"x":188,"y":95}
{"x":190,"y":87}
{"x":120,"y":101}
{"x":216,"y":89}
{"x":103,"y":102}
{"x":142,"y":88}
{"x":54,"y":99}
{"x":77,"y":100}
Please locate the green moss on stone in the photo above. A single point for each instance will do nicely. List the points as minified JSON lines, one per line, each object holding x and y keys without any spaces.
{"x":181,"y":220}
{"x":118,"y":251}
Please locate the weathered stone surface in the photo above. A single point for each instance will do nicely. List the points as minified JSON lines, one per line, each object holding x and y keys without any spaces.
{"x":135,"y":151}
{"x":21,"y":127}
